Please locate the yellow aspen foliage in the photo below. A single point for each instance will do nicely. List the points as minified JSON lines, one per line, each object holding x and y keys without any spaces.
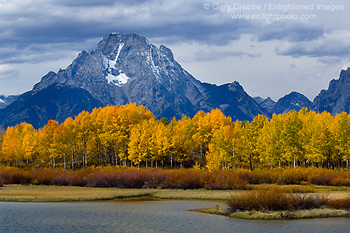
{"x":214,"y":158}
{"x":140,"y":142}
{"x":342,"y":137}
{"x":10,"y":146}
{"x":205,"y":124}
{"x":181,"y":139}
{"x":130,"y":134}
{"x":18,"y":144}
{"x":161,"y":143}
{"x":47,"y":153}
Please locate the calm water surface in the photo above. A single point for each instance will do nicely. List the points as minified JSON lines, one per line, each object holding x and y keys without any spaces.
{"x":144,"y":216}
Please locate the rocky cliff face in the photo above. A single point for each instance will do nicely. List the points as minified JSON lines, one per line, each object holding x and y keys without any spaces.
{"x":127,"y":68}
{"x":267,"y":103}
{"x":337,"y":98}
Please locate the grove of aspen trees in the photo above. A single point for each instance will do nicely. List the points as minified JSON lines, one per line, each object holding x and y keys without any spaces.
{"x":129,"y":135}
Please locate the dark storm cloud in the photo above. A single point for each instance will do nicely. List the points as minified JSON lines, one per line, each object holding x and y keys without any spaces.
{"x":46,"y":26}
{"x":45,"y":23}
{"x":84,"y":3}
{"x":90,"y":3}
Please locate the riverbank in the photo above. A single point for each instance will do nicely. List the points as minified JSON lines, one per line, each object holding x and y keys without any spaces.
{"x":43,"y":193}
{"x":278,"y":215}
{"x":275,"y":204}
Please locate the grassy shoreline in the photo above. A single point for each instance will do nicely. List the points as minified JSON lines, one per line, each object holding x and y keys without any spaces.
{"x":41,"y":193}
{"x":278,"y":215}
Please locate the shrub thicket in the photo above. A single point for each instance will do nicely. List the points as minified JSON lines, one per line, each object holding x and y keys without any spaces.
{"x":343,"y":203}
{"x":279,"y":199}
{"x":274,"y":199}
{"x":123,"y":177}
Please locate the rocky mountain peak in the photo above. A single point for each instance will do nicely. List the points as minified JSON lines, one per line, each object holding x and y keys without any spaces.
{"x":292,"y":101}
{"x":267,"y":103}
{"x":345,"y":75}
{"x":235,"y":86}
{"x":127,"y":68}
{"x":337,"y":98}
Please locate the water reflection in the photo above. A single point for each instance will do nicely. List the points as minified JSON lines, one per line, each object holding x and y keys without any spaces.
{"x":145,"y":216}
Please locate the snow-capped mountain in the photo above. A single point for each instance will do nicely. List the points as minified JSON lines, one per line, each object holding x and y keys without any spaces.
{"x":128,"y":68}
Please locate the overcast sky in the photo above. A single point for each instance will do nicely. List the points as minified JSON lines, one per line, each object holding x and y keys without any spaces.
{"x":280,"y":46}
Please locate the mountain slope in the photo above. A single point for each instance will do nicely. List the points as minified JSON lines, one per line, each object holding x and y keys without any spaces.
{"x":292,"y":101}
{"x":266,"y":104}
{"x":54,"y":102}
{"x":232,"y":100}
{"x":337,"y":98}
{"x":7,"y":100}
{"x":124,"y":69}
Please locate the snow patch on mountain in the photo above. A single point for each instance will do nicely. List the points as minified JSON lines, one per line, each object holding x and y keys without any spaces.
{"x":120,"y":47}
{"x":110,"y":66}
{"x":118,"y":80}
{"x":155,"y":69}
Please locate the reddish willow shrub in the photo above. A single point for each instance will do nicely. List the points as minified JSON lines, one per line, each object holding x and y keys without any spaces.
{"x":343,"y":203}
{"x":123,"y":177}
{"x":274,"y":199}
{"x":172,"y":179}
{"x":277,"y":199}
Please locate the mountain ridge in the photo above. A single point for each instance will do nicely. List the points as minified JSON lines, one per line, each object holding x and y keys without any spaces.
{"x":336,"y":99}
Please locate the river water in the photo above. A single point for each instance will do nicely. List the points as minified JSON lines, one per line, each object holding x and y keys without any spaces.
{"x":144,"y":216}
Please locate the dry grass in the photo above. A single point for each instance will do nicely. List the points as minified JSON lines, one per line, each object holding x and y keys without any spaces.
{"x":286,"y":188}
{"x":273,"y":203}
{"x":198,"y":194}
{"x":41,"y":193}
{"x":34,"y":193}
{"x":298,"y":214}
{"x":278,"y":215}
